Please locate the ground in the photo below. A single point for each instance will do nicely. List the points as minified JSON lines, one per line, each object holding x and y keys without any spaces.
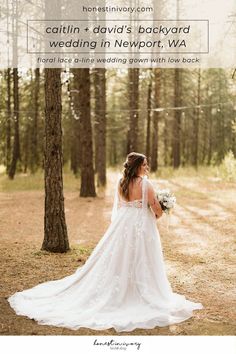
{"x":197,"y":240}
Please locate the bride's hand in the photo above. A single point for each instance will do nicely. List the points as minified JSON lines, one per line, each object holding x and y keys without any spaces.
{"x":159,"y":211}
{"x":154,"y":203}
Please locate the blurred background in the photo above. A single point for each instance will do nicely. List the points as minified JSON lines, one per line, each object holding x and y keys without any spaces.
{"x":181,"y":119}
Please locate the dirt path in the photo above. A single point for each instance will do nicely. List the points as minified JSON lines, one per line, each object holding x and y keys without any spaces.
{"x":198,"y":245}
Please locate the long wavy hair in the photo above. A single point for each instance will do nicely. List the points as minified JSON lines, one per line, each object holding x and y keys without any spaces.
{"x":132,"y":164}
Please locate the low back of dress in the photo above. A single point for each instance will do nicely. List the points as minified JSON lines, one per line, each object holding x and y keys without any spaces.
{"x":138,"y":197}
{"x":135,"y":190}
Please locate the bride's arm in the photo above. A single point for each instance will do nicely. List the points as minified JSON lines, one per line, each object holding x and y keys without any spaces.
{"x":153,"y":201}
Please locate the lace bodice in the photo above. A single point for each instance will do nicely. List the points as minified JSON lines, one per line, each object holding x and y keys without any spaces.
{"x":137,"y":203}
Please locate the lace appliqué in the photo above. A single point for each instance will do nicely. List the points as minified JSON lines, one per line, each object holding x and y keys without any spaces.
{"x":132,"y":204}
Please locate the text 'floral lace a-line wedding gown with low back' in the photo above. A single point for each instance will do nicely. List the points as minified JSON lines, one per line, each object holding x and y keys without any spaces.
{"x":123,"y":284}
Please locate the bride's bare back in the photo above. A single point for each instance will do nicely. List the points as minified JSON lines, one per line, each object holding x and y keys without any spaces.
{"x":135,"y":189}
{"x":135,"y":193}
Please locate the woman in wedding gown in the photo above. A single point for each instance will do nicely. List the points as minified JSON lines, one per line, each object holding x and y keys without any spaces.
{"x":123,"y":283}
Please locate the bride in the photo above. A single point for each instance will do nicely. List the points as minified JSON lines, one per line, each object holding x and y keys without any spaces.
{"x":123,"y":283}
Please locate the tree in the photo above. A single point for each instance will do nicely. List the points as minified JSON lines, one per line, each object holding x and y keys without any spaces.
{"x":34,"y":136}
{"x":155,"y":138}
{"x":9,"y":118}
{"x":55,"y":230}
{"x":196,"y":121}
{"x":16,"y":111}
{"x":75,"y":126}
{"x":149,"y":105}
{"x":75,"y":151}
{"x":87,"y":188}
{"x":166,"y":116}
{"x":133,"y":93}
{"x":177,"y":115}
{"x":177,"y":120}
{"x":100,"y":125}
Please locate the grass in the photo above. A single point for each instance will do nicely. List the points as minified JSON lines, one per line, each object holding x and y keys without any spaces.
{"x":28,"y":182}
{"x":202,"y":171}
{"x":75,"y":250}
{"x":226,"y":171}
{"x":21,"y":182}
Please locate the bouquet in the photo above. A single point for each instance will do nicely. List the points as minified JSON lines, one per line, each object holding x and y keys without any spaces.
{"x":166,"y":199}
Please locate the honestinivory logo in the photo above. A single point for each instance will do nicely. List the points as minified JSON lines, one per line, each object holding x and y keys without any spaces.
{"x":116,"y":344}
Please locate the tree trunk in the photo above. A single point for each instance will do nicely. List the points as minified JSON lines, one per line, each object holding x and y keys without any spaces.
{"x":210,"y":139}
{"x":177,"y":120}
{"x":154,"y":158}
{"x":75,"y":153}
{"x":87,"y":170}
{"x":16,"y":143}
{"x":34,"y":137}
{"x":166,"y":125}
{"x":26,"y":146}
{"x":55,"y":230}
{"x":221,"y":123}
{"x":9,"y":113}
{"x":177,"y":115}
{"x":133,"y":92}
{"x":75,"y":125}
{"x":196,"y":122}
{"x":8,"y":125}
{"x":149,"y":105}
{"x":100,"y":125}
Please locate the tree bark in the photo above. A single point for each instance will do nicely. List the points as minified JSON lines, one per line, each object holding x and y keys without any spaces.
{"x":8,"y":125}
{"x":34,"y":136}
{"x":166,"y":125}
{"x":26,"y":145}
{"x":177,"y":120}
{"x":133,"y":92}
{"x":9,"y":113}
{"x":148,"y":134}
{"x":55,"y":230}
{"x":87,"y":170}
{"x":100,"y":125}
{"x":16,"y":143}
{"x":75,"y":126}
{"x":210,"y":139}
{"x":196,"y":122}
{"x":75,"y":152}
{"x":154,"y":158}
{"x":177,"y":113}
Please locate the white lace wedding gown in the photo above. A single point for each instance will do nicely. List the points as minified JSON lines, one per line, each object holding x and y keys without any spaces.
{"x":123,"y":284}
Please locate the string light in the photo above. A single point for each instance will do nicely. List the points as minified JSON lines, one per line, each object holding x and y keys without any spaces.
{"x":213,"y":110}
{"x":74,"y":114}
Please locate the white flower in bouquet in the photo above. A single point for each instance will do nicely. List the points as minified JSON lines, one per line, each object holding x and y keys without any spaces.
{"x":166,"y":199}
